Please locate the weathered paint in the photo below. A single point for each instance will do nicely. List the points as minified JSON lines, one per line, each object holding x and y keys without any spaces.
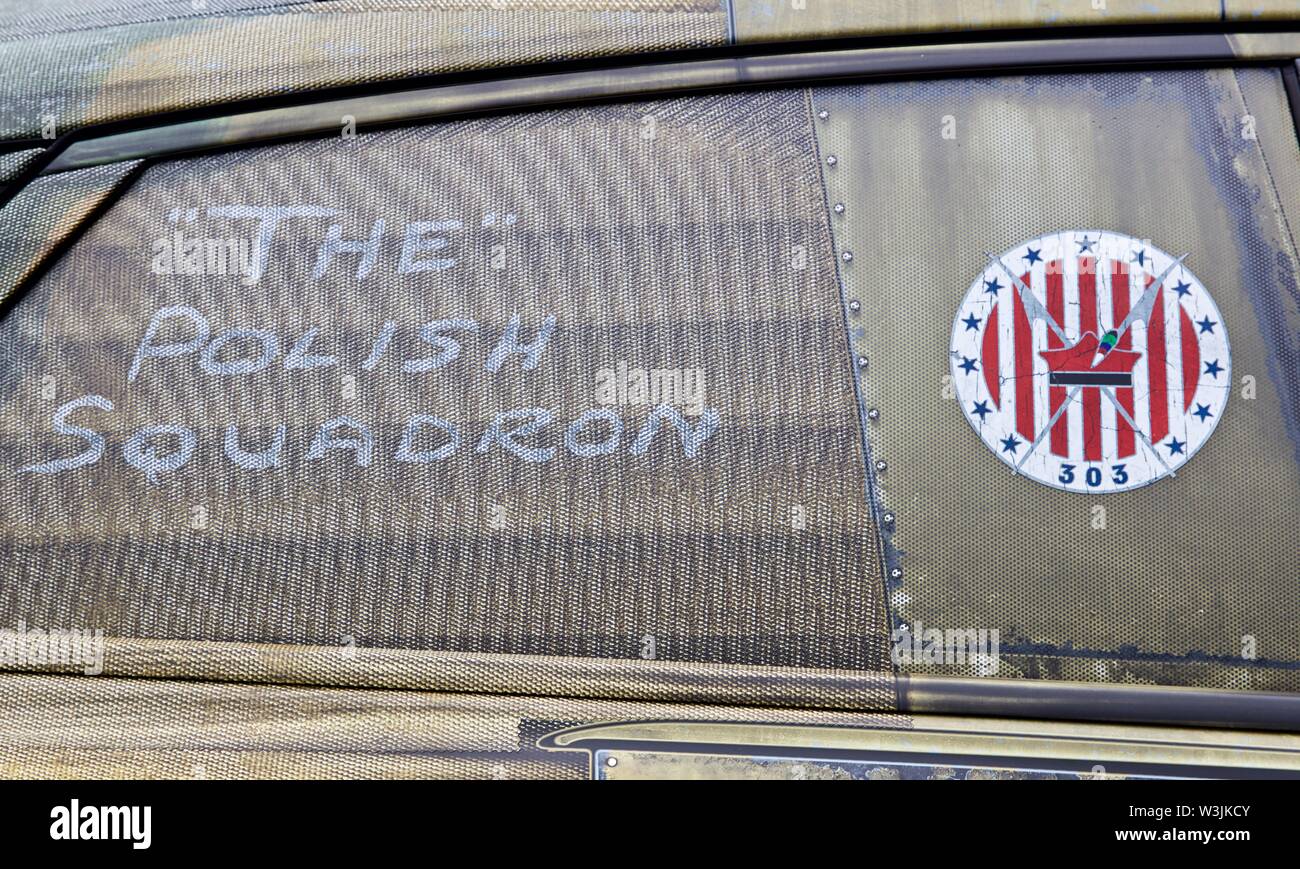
{"x":777,"y":20}
{"x":1184,"y":570}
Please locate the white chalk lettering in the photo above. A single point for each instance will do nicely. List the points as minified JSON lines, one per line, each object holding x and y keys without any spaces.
{"x":692,"y":437}
{"x":210,"y":363}
{"x":414,"y":243}
{"x":142,"y":454}
{"x":301,"y":357}
{"x":94,"y":441}
{"x":510,"y":345}
{"x":271,"y":457}
{"x":149,"y":350}
{"x":256,"y":445}
{"x":269,"y":218}
{"x":380,"y":347}
{"x":363,"y":445}
{"x":449,"y":346}
{"x":537,"y":419}
{"x":521,"y":432}
{"x":597,"y":448}
{"x":406,"y":451}
{"x":335,"y":244}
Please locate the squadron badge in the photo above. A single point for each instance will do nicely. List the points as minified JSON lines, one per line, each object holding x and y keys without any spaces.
{"x":1090,"y":361}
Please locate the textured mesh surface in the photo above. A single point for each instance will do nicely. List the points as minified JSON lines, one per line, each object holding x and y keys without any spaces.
{"x":764,"y":20}
{"x":19,"y":18}
{"x":46,"y":212}
{"x":112,"y":73}
{"x":13,"y":162}
{"x":1187,"y":574}
{"x":652,"y":246}
{"x":69,"y":727}
{"x":698,"y":238}
{"x":467,"y":672}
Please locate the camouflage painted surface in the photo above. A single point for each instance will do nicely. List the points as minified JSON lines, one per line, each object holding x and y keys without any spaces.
{"x":82,"y":727}
{"x":44,"y":213}
{"x":130,"y":70}
{"x":557,"y":89}
{"x":121,"y":61}
{"x":757,"y":550}
{"x":1187,"y":581}
{"x":575,"y":678}
{"x":986,"y":748}
{"x":706,"y":243}
{"x":781,"y":20}
{"x":20,"y":18}
{"x":297,"y":538}
{"x":14,"y":162}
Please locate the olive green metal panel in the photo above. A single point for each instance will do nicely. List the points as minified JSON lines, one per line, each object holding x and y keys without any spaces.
{"x":1187,"y":581}
{"x":931,"y":747}
{"x":777,"y":20}
{"x":1259,"y":10}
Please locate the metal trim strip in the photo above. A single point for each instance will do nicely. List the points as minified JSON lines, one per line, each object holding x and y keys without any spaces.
{"x":662,"y":79}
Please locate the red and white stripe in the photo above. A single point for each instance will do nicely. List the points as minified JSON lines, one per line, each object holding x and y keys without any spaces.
{"x":1083,"y":295}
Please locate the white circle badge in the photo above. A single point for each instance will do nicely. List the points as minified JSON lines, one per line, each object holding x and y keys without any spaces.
{"x":1090,"y":361}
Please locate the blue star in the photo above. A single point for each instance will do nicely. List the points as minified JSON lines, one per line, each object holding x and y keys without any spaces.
{"x":1203,"y":411}
{"x":1207,"y":325}
{"x":1009,"y":444}
{"x":992,"y":286}
{"x":981,"y":408}
{"x":1213,"y":369}
{"x":1140,"y":257}
{"x":972,"y":322}
{"x":1033,"y":256}
{"x":1183,"y":289}
{"x":968,"y":365}
{"x":1175,"y":446}
{"x":1085,"y":246}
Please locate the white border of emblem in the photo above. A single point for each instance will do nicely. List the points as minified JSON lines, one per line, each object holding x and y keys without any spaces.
{"x":997,"y":421}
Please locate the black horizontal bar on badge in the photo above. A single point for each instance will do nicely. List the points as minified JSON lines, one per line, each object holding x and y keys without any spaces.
{"x":1090,"y":378}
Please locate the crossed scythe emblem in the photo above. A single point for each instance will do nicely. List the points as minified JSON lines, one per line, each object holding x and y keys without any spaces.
{"x":1107,"y":367}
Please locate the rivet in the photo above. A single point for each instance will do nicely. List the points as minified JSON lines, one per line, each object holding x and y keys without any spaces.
{"x":823,"y":114}
{"x":889,"y":518}
{"x":862,"y":362}
{"x":873,"y":414}
{"x":832,"y":160}
{"x":881,"y":466}
{"x":855,"y":306}
{"x":847,"y":256}
{"x":895,"y":573}
{"x":839,"y":208}
{"x":612,"y":761}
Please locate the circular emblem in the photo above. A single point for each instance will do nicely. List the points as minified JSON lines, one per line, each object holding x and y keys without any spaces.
{"x":1090,"y":361}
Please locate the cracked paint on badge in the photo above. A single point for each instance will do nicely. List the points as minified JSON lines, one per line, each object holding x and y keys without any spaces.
{"x":1090,"y":361}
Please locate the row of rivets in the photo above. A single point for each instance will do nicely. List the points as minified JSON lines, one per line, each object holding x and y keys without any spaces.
{"x":855,"y":307}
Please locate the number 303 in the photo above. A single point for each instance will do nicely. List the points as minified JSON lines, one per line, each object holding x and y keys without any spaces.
{"x":1093,"y":475}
